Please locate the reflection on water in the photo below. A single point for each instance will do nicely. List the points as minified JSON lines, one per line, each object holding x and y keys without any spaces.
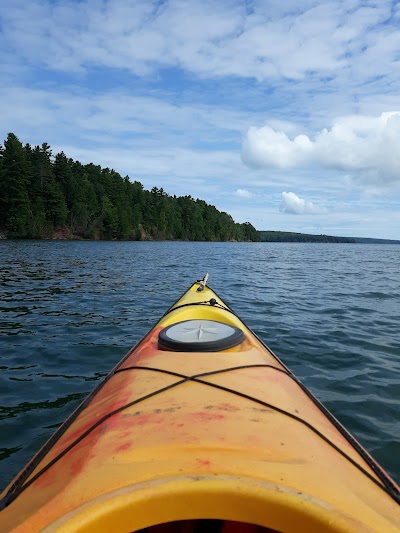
{"x":70,"y":310}
{"x":25,"y":407}
{"x":5,"y":453}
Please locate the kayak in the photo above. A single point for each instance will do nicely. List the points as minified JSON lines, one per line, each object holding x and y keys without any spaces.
{"x":201,"y":427}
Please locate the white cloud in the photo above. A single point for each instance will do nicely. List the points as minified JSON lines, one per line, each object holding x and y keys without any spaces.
{"x":243,"y":193}
{"x":266,"y":147}
{"x":211,"y":39}
{"x":366,"y":146}
{"x":293,"y":204}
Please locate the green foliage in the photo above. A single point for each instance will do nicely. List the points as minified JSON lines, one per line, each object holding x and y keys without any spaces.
{"x":40,"y":194}
{"x":14,"y":200}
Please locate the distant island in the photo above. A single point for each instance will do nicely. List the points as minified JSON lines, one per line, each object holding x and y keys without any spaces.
{"x":290,"y":236}
{"x":367,"y":240}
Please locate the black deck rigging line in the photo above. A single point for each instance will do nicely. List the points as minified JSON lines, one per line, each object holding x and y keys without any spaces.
{"x":390,"y":490}
{"x":203,"y":374}
{"x":206,"y":302}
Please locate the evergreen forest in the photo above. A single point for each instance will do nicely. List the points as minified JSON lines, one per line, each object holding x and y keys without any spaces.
{"x":46,"y":196}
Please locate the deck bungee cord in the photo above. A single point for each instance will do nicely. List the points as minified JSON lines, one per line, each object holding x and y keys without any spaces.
{"x":212,"y":301}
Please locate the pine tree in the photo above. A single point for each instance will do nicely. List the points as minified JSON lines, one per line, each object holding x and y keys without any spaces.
{"x":15,"y":213}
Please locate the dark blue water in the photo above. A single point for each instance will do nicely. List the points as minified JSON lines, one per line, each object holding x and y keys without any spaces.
{"x":70,"y":310}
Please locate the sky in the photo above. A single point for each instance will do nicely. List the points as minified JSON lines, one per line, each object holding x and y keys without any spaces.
{"x":285,"y":114}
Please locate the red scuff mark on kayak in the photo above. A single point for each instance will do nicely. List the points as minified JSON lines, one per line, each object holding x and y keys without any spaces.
{"x":76,"y":467}
{"x":102,"y":410}
{"x":203,"y":462}
{"x":71,"y":438}
{"x":114,"y":420}
{"x":71,"y":464}
{"x":253,"y":439}
{"x":123,"y":447}
{"x":121,"y":402}
{"x":146,"y":350}
{"x":45,"y":480}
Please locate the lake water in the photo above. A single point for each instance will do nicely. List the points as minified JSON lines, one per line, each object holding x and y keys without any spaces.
{"x":71,"y":310}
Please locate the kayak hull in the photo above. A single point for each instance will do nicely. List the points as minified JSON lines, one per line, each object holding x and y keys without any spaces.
{"x":185,"y":435}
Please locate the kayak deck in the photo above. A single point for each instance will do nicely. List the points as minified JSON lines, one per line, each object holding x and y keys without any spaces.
{"x":175,"y":436}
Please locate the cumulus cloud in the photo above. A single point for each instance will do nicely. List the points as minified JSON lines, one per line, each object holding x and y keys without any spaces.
{"x":243,"y":193}
{"x":293,"y":204}
{"x":365,"y":146}
{"x":266,"y":147}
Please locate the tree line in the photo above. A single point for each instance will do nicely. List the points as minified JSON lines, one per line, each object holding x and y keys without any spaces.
{"x":42,"y":195}
{"x":289,"y":236}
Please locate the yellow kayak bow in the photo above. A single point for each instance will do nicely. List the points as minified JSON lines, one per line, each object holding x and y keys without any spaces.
{"x":201,"y":427}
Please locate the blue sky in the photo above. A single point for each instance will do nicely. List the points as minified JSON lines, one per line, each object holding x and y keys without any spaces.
{"x":285,"y":114}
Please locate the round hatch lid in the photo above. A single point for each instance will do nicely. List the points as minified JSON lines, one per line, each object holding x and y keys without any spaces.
{"x":199,"y":336}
